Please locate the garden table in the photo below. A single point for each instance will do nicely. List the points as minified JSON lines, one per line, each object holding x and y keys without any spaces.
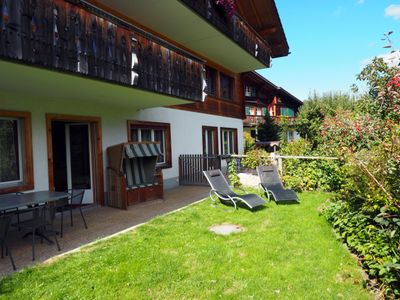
{"x":17,"y":201}
{"x":12,"y":201}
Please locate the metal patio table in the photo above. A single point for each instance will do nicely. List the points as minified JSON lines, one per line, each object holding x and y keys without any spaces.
{"x":16,"y":201}
{"x":12,"y":201}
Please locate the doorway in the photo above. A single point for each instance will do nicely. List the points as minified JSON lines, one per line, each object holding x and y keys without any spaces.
{"x":75,"y":156}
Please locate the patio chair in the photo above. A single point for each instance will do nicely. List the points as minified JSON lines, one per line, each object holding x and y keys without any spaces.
{"x":41,"y":224}
{"x":75,"y":201}
{"x":221,"y":188}
{"x":272,"y":185}
{"x":5,"y":221}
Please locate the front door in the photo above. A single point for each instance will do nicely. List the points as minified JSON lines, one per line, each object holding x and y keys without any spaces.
{"x":79,"y":158}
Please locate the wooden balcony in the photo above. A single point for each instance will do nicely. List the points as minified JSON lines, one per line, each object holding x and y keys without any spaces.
{"x":236,"y":28}
{"x":251,"y":121}
{"x":76,"y":38}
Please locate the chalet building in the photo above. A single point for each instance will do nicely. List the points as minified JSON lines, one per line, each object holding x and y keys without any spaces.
{"x":79,"y":77}
{"x":262,"y":97}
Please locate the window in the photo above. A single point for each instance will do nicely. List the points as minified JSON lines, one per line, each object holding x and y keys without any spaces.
{"x":247,"y":110}
{"x":16,"y":168}
{"x":226,"y":86}
{"x":229,"y":144}
{"x":140,"y":131}
{"x":211,"y":79}
{"x":210,"y":140}
{"x":287,"y":112}
{"x":250,"y":91}
{"x":264,"y":111}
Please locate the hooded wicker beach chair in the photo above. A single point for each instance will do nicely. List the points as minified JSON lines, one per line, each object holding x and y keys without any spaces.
{"x":272,"y":185}
{"x":221,"y":189}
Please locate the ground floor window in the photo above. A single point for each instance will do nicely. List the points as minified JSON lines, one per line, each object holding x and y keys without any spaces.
{"x":16,"y":171}
{"x":229,"y":143}
{"x":210,"y":140}
{"x":140,"y":131}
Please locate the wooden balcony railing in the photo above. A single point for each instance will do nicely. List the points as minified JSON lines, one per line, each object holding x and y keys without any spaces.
{"x":73,"y":36}
{"x":234,"y":27}
{"x":256,"y":120}
{"x":253,"y":120}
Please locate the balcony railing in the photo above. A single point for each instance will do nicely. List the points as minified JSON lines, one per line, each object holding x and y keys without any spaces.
{"x":75,"y":37}
{"x":234,"y":27}
{"x":256,"y":120}
{"x":253,"y":120}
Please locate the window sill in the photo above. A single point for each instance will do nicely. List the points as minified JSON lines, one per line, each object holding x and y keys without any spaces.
{"x":164,"y":166}
{"x":17,"y":188}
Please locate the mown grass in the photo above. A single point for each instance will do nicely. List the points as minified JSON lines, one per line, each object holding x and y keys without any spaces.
{"x":285,"y":252}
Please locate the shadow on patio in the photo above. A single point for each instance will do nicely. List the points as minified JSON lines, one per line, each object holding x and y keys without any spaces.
{"x":102,"y":222}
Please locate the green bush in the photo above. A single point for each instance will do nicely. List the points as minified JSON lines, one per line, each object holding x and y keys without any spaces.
{"x":256,"y":157}
{"x":233,"y":176}
{"x":306,"y":175}
{"x":249,"y":142}
{"x":375,"y":238}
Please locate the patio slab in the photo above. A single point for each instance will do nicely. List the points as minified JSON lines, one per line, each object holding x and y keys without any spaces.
{"x":102,"y":222}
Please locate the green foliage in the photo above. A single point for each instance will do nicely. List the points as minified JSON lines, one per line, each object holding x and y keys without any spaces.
{"x":312,"y":113}
{"x":374,"y":237}
{"x":307,"y":175}
{"x":348,"y":131}
{"x":269,"y":130}
{"x":233,"y":176}
{"x":249,"y":142}
{"x":256,"y":157}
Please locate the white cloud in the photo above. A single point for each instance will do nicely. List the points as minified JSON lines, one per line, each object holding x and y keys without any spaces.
{"x":393,"y":11}
{"x":392,"y":59}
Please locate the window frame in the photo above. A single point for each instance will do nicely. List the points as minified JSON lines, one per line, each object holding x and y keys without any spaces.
{"x":213,"y":92}
{"x":26,"y":182}
{"x":134,"y":124}
{"x":215,"y":133}
{"x":250,"y":91}
{"x":234,"y":139}
{"x":231,"y":88}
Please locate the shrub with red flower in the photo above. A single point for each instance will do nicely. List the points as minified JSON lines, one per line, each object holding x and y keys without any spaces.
{"x":346,"y":131}
{"x":228,"y":5}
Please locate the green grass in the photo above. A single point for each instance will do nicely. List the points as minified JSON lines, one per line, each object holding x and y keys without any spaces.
{"x":285,"y":252}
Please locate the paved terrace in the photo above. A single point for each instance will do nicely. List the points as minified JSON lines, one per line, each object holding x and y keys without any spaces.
{"x":102,"y":222}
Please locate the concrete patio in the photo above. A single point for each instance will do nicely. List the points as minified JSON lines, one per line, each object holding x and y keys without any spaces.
{"x":102,"y":222}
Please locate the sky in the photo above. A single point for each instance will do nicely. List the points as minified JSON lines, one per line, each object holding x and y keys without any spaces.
{"x":330,"y":41}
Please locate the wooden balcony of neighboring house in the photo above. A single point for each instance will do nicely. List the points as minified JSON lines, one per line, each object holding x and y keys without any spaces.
{"x":253,"y":121}
{"x":235,"y":27}
{"x":76,"y":38}
{"x":288,"y":119}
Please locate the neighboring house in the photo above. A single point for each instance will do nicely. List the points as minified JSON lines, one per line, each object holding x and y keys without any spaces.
{"x":262,"y":97}
{"x":77,"y":77}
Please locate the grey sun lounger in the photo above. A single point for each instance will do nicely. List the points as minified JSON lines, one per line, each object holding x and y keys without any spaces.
{"x":272,"y":185}
{"x":221,"y":189}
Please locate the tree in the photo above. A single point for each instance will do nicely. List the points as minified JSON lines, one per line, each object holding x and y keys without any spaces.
{"x":312,"y":113}
{"x":269,"y":130}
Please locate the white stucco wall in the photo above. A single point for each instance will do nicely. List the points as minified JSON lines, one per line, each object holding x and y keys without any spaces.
{"x":186,"y":128}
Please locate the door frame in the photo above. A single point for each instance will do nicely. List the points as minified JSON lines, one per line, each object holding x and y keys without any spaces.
{"x":97,"y":151}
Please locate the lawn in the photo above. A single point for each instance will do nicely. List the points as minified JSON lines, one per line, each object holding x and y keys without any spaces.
{"x":285,"y":252}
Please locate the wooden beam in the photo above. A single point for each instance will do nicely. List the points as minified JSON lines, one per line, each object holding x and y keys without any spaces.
{"x":268,"y":31}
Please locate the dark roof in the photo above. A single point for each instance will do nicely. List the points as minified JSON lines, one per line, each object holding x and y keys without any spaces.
{"x":263,"y":16}
{"x":269,"y":86}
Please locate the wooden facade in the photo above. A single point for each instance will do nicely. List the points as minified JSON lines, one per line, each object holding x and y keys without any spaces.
{"x":92,"y":42}
{"x":262,"y":97}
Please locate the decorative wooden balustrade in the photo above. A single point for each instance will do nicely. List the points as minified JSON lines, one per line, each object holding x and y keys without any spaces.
{"x":234,"y":27}
{"x":253,"y":120}
{"x":73,"y":36}
{"x":191,"y":167}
